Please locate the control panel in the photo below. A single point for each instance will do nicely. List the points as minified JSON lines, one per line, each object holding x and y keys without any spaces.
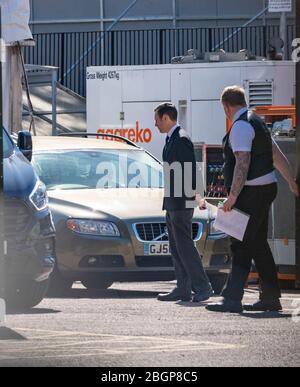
{"x":212,"y":158}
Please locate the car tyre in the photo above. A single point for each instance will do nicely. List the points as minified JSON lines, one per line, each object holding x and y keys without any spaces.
{"x":59,"y":286}
{"x":96,"y":283}
{"x":26,"y":295}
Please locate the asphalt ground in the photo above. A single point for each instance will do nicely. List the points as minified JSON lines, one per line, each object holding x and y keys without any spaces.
{"x":126,"y":326}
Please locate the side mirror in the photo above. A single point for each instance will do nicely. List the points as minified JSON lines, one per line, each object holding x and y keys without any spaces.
{"x":25,"y":144}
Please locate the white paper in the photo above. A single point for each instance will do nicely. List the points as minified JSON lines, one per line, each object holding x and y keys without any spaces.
{"x":233,"y":223}
{"x":212,"y":210}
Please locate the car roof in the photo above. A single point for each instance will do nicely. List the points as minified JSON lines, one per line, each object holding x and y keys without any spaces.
{"x":47,"y":143}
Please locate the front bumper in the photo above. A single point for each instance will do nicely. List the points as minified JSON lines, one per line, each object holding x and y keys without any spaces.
{"x":123,"y":258}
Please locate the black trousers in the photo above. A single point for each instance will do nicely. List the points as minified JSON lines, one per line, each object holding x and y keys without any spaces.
{"x":189,"y":270}
{"x":255,"y":201}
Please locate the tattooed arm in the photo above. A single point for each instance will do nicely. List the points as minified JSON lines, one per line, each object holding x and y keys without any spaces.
{"x":241,"y":170}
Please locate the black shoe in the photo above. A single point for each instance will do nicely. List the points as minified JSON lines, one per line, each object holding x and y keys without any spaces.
{"x":174,"y":296}
{"x":264,"y":306}
{"x":227,"y":306}
{"x":201,"y":297}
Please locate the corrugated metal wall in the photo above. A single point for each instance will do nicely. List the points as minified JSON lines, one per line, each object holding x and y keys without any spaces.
{"x":93,"y":15}
{"x":151,"y":33}
{"x":138,"y":47}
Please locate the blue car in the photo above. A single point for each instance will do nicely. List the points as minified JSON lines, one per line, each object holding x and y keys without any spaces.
{"x":29,"y":233}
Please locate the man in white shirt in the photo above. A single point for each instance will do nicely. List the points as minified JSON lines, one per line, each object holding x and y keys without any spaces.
{"x":251,"y":157}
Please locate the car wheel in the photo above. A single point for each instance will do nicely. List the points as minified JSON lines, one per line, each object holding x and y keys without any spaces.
{"x":26,"y":295}
{"x":218,"y":282}
{"x":59,"y":286}
{"x":96,"y":283}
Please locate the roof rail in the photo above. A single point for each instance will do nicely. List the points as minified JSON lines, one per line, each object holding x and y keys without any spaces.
{"x":112,"y":136}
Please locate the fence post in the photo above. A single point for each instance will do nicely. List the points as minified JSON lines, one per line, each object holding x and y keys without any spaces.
{"x":161,"y":46}
{"x":265,"y":43}
{"x":54,"y":102}
{"x":210,"y":40}
{"x":112,"y":58}
{"x":62,"y":57}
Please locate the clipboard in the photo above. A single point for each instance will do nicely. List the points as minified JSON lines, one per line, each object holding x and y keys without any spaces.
{"x":233,"y":223}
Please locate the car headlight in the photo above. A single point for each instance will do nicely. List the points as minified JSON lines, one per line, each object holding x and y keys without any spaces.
{"x":91,"y":227}
{"x":39,"y":197}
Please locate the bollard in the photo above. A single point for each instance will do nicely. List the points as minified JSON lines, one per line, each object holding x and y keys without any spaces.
{"x":2,"y":238}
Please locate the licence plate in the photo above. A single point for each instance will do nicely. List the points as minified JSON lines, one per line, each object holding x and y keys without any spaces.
{"x":157,"y":249}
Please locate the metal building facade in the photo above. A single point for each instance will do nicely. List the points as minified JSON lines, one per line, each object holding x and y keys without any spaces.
{"x":95,"y":15}
{"x":68,"y":33}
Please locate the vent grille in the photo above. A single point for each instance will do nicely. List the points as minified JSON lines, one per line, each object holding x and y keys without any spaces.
{"x":157,"y":261}
{"x":149,"y":232}
{"x":260,"y":93}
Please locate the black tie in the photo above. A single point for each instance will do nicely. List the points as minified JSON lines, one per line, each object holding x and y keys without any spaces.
{"x":165,"y":148}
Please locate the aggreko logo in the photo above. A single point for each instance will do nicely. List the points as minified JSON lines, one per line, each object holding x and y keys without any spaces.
{"x":133,"y":134}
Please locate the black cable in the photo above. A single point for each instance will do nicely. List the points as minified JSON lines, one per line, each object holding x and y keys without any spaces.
{"x":30,"y":107}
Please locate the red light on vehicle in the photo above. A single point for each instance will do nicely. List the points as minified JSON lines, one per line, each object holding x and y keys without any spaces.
{"x":72,"y":225}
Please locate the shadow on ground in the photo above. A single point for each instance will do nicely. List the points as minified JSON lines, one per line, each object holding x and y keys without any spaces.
{"x":266,"y":315}
{"x":33,"y":311}
{"x":105,"y":294}
{"x":9,"y":334}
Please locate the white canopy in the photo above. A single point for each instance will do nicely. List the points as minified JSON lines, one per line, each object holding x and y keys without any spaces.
{"x":15,"y":19}
{"x":15,"y":16}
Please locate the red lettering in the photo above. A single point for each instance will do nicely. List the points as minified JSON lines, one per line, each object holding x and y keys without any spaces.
{"x":100,"y":131}
{"x":110,"y":131}
{"x":147,"y":135}
{"x":131,"y":135}
{"x":118,"y":132}
{"x":139,"y":135}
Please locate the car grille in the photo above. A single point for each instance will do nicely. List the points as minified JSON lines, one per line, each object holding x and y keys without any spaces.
{"x":149,"y":232}
{"x":17,"y":219}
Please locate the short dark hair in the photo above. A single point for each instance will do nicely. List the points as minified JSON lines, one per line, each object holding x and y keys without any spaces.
{"x":167,"y":108}
{"x":234,"y":96}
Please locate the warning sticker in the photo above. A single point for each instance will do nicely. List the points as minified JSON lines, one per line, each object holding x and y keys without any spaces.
{"x":280,"y":6}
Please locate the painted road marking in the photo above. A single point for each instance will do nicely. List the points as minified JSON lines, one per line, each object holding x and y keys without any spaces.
{"x":118,"y":345}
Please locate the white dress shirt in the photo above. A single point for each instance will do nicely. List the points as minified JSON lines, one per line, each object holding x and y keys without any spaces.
{"x":172,"y":130}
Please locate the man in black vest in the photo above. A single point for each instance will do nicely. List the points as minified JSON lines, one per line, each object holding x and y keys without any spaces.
{"x":251,"y":157}
{"x":179,"y":202}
